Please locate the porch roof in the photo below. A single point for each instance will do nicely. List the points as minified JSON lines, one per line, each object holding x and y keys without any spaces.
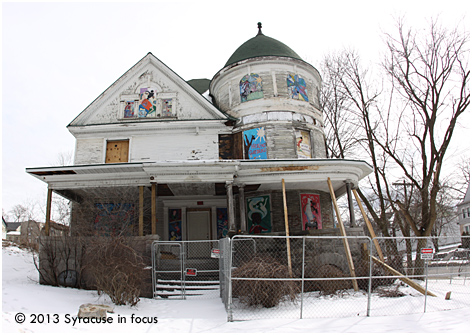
{"x":298,"y":173}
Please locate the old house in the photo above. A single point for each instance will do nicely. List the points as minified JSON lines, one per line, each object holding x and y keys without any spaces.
{"x":463,"y":210}
{"x":198,"y":159}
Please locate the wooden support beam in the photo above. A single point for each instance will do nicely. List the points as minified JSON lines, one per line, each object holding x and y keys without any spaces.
{"x":48,"y":212}
{"x":242,"y":210}
{"x":369,"y":225}
{"x":345,"y":240}
{"x":230,"y":202}
{"x":287,"y":233}
{"x":380,"y":261}
{"x":153,"y":209}
{"x":141,"y":211}
{"x":352,"y":216}
{"x":403,"y":278}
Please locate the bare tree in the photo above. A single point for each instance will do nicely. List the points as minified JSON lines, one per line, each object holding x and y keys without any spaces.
{"x":407,"y":126}
{"x":341,"y":128}
{"x":429,"y":74}
{"x":23,"y":212}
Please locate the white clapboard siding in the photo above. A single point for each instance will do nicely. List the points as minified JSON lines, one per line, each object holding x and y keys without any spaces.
{"x":89,"y":151}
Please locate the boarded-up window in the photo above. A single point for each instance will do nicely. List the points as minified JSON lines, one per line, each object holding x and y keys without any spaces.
{"x":303,"y":143}
{"x":117,"y":151}
{"x":230,"y":146}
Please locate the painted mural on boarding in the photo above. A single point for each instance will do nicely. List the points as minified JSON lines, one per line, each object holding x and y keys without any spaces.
{"x":255,"y":145}
{"x":311,"y":211}
{"x":259,"y":214}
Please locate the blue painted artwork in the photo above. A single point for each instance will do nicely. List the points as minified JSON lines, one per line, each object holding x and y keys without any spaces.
{"x":255,"y":145}
{"x":296,"y":87}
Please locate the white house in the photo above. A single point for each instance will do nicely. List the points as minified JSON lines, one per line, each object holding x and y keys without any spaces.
{"x":193,"y":160}
{"x":464,"y":213}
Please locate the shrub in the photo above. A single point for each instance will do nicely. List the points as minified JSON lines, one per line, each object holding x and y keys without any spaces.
{"x":266,"y":293}
{"x":326,"y":286}
{"x":116,"y":268}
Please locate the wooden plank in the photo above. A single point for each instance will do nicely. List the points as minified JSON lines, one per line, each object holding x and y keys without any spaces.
{"x":403,"y":278}
{"x":287,"y":233}
{"x":117,"y":151}
{"x":230,"y":202}
{"x":141,"y":210}
{"x":48,"y":212}
{"x":153,"y":208}
{"x":343,"y":233}
{"x":369,"y":225}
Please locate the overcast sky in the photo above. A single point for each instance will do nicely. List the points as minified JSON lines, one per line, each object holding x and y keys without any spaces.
{"x":58,"y":57}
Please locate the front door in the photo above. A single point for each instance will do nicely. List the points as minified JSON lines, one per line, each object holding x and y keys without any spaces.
{"x":198,"y":229}
{"x":198,"y":225}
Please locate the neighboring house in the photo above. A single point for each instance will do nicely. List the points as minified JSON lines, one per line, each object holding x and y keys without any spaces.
{"x":13,"y":231}
{"x":194,"y":160}
{"x":25,"y":232}
{"x":4,"y":229}
{"x":56,"y":229}
{"x":464,"y":213}
{"x":30,"y":231}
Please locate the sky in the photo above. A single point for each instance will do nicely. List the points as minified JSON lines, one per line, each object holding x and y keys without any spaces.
{"x":57,"y":57}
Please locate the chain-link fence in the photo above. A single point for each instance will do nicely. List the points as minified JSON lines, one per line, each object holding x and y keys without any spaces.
{"x":185,"y":269}
{"x":331,"y":276}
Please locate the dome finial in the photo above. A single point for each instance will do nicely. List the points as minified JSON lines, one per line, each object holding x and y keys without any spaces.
{"x":259,"y":25}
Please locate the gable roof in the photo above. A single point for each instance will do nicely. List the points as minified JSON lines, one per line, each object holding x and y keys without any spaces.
{"x":106,"y":108}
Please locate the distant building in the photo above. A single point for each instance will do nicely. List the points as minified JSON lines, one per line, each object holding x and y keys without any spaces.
{"x":464,"y":213}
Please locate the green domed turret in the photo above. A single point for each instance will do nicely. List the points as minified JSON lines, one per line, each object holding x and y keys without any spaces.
{"x":259,"y":46}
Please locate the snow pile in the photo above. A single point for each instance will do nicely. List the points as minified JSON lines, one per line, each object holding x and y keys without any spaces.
{"x":53,"y":310}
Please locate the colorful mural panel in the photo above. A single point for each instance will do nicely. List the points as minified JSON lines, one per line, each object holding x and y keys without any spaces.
{"x":303,"y":143}
{"x":259,"y":214}
{"x":311,"y":211}
{"x":255,"y":146}
{"x":113,"y":219}
{"x":221,"y":222}
{"x":166,"y":108}
{"x":129,"y":109}
{"x":296,"y":87}
{"x":147,"y":102}
{"x":175,"y":224}
{"x":250,"y":87}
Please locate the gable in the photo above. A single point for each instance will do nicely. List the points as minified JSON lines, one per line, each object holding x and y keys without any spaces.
{"x":149,"y":91}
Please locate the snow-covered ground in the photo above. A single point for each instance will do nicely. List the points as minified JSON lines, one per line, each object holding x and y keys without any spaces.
{"x":21,"y":293}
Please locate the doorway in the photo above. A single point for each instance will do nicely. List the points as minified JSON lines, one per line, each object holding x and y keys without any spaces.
{"x":198,"y":224}
{"x":198,"y":229}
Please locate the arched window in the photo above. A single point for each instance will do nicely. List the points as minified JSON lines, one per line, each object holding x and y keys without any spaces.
{"x":250,"y":87}
{"x":296,"y":87}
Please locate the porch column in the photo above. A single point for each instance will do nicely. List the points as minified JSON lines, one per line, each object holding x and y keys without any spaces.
{"x":141,"y":211}
{"x":48,"y":212}
{"x":242,"y":209}
{"x":230,"y":202}
{"x":351,"y":204}
{"x":153,"y":208}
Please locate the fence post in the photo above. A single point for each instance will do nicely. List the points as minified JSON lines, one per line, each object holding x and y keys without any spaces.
{"x":303,"y":278}
{"x":426,"y":284}
{"x":229,"y":284}
{"x":369,"y":291}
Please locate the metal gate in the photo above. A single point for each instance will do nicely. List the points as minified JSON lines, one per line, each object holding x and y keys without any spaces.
{"x":185,"y":269}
